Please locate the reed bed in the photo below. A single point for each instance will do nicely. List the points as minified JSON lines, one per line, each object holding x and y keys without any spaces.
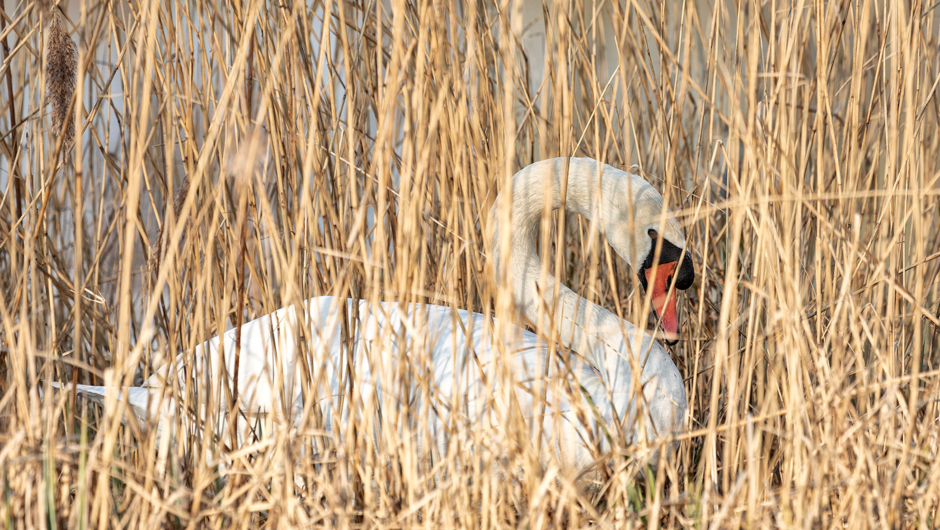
{"x":234,"y":157}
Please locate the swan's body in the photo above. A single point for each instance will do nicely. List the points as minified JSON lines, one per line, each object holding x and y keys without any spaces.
{"x":449,"y":355}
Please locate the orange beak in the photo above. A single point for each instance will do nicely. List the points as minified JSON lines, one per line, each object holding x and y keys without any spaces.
{"x":665,"y":306}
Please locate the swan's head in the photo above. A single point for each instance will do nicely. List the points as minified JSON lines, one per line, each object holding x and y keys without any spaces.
{"x":658,"y":275}
{"x":634,"y":231}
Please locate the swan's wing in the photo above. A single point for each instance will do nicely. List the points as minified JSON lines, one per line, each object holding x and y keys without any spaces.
{"x":267,"y":352}
{"x":299,"y":357}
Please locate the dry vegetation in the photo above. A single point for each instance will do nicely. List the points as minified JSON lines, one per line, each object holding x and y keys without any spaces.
{"x":799,"y":142}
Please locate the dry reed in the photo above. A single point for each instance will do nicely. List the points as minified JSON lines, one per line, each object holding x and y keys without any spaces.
{"x":799,"y":142}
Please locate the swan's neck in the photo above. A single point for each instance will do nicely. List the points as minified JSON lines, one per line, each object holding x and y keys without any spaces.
{"x":583,"y":326}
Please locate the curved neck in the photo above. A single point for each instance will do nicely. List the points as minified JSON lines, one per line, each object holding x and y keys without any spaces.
{"x":583,"y":326}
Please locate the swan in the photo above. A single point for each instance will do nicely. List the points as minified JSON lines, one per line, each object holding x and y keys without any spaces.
{"x":453,"y":361}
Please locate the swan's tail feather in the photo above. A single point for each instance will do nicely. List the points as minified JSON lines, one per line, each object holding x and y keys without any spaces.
{"x":136,"y":397}
{"x":94,"y":393}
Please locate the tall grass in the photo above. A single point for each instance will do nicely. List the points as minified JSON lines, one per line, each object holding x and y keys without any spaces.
{"x":258,"y":153}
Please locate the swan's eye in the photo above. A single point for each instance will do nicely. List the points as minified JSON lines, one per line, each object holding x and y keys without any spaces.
{"x":653,"y":233}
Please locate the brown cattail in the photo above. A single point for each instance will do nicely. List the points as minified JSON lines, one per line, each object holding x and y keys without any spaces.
{"x":250,"y":158}
{"x":61,"y":66}
{"x":45,"y":7}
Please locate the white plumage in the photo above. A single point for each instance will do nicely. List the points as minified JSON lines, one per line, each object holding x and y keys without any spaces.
{"x":298,"y":353}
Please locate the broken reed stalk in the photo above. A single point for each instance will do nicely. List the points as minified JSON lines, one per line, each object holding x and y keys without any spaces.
{"x":158,"y":247}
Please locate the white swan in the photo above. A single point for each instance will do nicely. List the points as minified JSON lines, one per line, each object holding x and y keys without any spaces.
{"x":465,"y":391}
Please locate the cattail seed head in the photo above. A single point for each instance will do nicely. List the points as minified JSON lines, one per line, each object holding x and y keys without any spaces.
{"x":45,"y":7}
{"x":61,"y":66}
